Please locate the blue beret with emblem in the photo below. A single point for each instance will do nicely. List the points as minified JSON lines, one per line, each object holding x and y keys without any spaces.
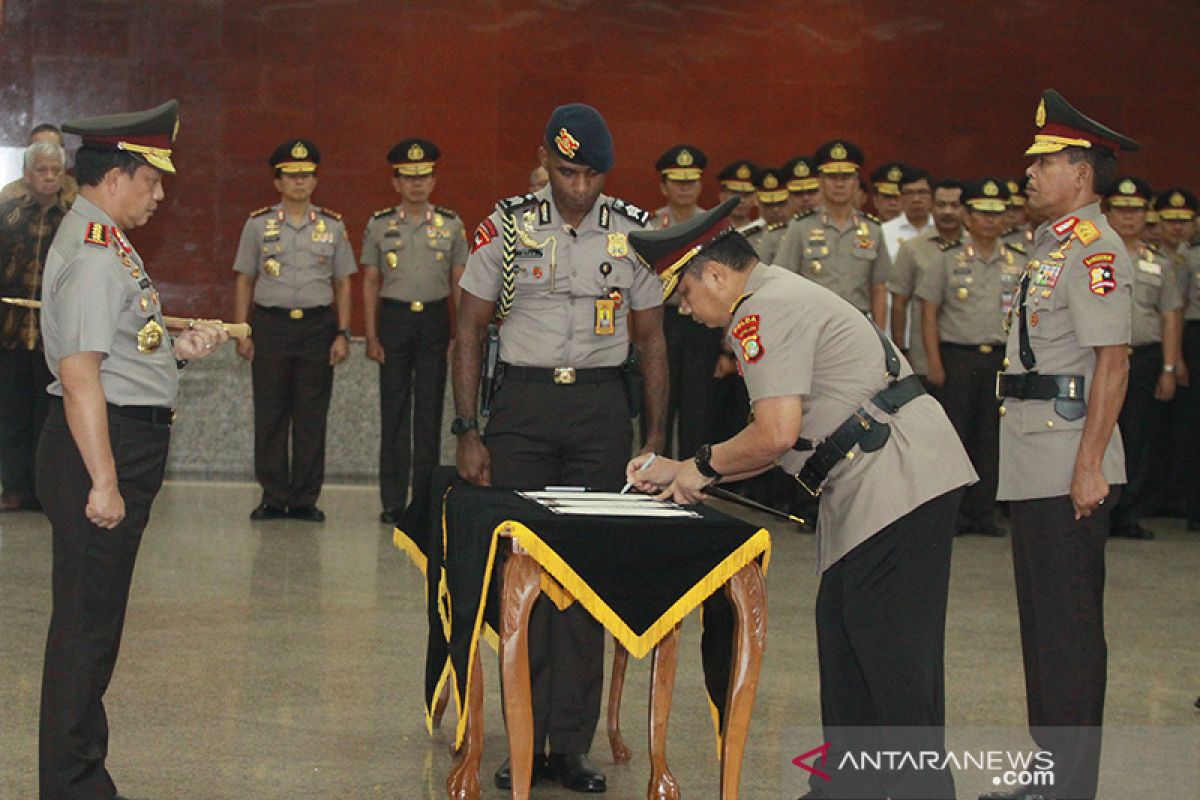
{"x":577,"y":134}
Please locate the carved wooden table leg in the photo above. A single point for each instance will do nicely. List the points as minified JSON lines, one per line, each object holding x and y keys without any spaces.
{"x":620,"y":751}
{"x":748,"y":593}
{"x":663,"y":785}
{"x":522,"y":584}
{"x":463,"y":781}
{"x":439,"y":705}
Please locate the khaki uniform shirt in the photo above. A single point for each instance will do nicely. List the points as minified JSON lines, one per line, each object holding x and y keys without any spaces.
{"x":974,"y":294}
{"x":1155,"y":291}
{"x":661,"y":219}
{"x":912,"y":257}
{"x":1019,"y":239}
{"x":847,"y":262}
{"x":26,"y":231}
{"x":294,"y":264}
{"x":1078,"y":298}
{"x":1189,"y":279}
{"x":767,"y":244}
{"x":415,"y":255}
{"x":792,"y":337}
{"x":97,"y":298}
{"x":566,"y":279}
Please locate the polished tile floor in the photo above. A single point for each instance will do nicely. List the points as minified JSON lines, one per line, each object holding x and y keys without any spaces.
{"x":284,"y":660}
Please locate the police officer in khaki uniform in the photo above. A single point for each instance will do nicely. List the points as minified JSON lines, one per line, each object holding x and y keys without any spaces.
{"x":103,"y":449}
{"x":412,"y":256}
{"x":771,"y":194}
{"x":1155,"y":349}
{"x":836,"y":246}
{"x":692,"y":349}
{"x":1188,"y":399}
{"x":294,"y":261}
{"x":1177,"y":214}
{"x":1060,"y":452}
{"x":1017,"y":228}
{"x":738,"y":179}
{"x":965,"y":296}
{"x":825,"y":382}
{"x":804,"y":191}
{"x":916,"y":255}
{"x":557,"y":268}
{"x":885,"y":190}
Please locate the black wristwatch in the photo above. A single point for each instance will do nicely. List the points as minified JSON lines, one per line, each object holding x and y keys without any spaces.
{"x":461,"y":425}
{"x":704,"y":462}
{"x":346,"y":332}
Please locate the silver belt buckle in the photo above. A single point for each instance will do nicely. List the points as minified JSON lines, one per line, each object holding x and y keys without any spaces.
{"x":564,"y":376}
{"x":998,"y":395}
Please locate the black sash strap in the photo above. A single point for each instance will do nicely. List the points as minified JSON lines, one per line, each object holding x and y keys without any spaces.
{"x":1027,"y":358}
{"x":860,"y":429}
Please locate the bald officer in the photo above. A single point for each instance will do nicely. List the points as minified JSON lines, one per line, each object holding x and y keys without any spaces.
{"x":825,"y":382}
{"x":835,"y":245}
{"x":572,"y":297}
{"x":104,"y":446}
{"x":965,"y":296}
{"x":293,"y":261}
{"x":1060,"y":453}
{"x":412,"y":255}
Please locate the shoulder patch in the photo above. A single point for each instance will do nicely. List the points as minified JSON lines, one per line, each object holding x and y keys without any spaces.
{"x":1102,"y":279}
{"x":383,"y":212}
{"x":445,"y":212}
{"x":1087,"y":232}
{"x":96,"y":234}
{"x":330,"y":213}
{"x":745,"y":330}
{"x":259,"y":212}
{"x":516,"y":201}
{"x":483,"y":234}
{"x":631,"y":211}
{"x":946,"y":247}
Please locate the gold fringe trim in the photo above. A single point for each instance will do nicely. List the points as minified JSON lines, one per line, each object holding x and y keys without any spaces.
{"x":561,"y":598}
{"x":402,"y":541}
{"x":461,"y":728}
{"x":441,"y":683}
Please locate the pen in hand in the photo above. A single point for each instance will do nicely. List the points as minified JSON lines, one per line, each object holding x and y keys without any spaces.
{"x":645,"y":465}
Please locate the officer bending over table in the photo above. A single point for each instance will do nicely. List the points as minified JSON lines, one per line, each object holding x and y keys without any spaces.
{"x":837,"y":407}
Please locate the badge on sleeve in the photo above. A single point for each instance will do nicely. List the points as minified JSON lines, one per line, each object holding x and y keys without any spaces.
{"x":606,"y":316}
{"x":746,"y":332}
{"x":1101,"y":278}
{"x":483,"y":234}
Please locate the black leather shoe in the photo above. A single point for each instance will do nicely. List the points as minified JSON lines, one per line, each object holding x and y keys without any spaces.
{"x":265,"y":511}
{"x":1134,"y":531}
{"x":576,"y":772}
{"x":309,"y":513}
{"x":389,"y":517}
{"x":503,"y":776}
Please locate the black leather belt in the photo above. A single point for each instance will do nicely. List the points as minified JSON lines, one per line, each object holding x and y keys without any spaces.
{"x":415,"y":306}
{"x":156,"y":415}
{"x":1034,"y":386}
{"x":859,"y":430}
{"x":985,"y":348}
{"x":291,"y":313}
{"x":564,"y":376}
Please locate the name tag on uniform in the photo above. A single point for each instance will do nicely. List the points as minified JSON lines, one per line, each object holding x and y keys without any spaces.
{"x":1150,"y":267}
{"x":606,"y":317}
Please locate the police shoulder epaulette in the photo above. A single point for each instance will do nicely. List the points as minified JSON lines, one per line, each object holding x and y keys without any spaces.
{"x":1016,"y":247}
{"x":804,"y":214}
{"x":445,"y":212}
{"x":516,"y":201}
{"x":774,"y":226}
{"x":631,"y":211}
{"x":873,"y":218}
{"x":330,"y":213}
{"x":1011,"y":231}
{"x":753,"y":227}
{"x":738,"y":303}
{"x":259,"y":212}
{"x":1153,"y":248}
{"x":948,"y":246}
{"x":383,"y":212}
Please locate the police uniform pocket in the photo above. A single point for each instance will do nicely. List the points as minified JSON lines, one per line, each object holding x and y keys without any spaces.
{"x":1041,"y":416}
{"x":323,"y":251}
{"x":532,"y":275}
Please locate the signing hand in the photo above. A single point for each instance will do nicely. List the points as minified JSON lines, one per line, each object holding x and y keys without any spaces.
{"x":688,"y":487}
{"x":655,"y":478}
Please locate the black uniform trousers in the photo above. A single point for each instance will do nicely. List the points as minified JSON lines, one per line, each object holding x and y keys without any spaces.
{"x":1141,"y":422}
{"x":412,"y":377}
{"x":1058,"y":564}
{"x":293,"y":383}
{"x":543,"y":434}
{"x":969,"y":397}
{"x":692,"y":351}
{"x":92,"y":570}
{"x":881,"y":635}
{"x":1188,"y":401}
{"x":24,"y":377}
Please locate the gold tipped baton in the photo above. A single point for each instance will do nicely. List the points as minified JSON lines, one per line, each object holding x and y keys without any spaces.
{"x":746,"y":502}
{"x":238,"y":330}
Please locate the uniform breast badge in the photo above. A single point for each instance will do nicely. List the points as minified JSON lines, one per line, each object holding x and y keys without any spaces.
{"x":618,"y":245}
{"x":273,"y":267}
{"x":150,"y":337}
{"x":393,"y":260}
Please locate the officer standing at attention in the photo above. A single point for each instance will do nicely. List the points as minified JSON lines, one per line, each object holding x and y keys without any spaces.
{"x":738,"y":179}
{"x":1060,"y":452}
{"x":836,"y":246}
{"x":885,"y":190}
{"x":771,"y":193}
{"x":1189,"y":394}
{"x":803,"y":188}
{"x":692,"y":349}
{"x":412,"y":256}
{"x":1154,"y":353}
{"x":293,"y":260}
{"x":965,"y":296}
{"x":556,"y":267}
{"x":103,"y":449}
{"x":825,"y":382}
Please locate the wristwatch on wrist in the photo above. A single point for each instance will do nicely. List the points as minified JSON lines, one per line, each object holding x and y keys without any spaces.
{"x":345,"y":332}
{"x":704,"y":462}
{"x":461,"y":425}
{"x":1169,"y":369}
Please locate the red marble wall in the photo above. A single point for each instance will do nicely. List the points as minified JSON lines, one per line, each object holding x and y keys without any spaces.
{"x":948,"y":85}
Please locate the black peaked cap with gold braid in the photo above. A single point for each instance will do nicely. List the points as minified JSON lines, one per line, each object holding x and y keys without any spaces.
{"x":668,"y":250}
{"x":147,"y":135}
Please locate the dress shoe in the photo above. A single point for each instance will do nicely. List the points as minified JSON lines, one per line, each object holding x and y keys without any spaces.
{"x":576,"y":772}
{"x":308,"y":513}
{"x":389,"y":517}
{"x":1133,"y":531}
{"x":265,"y":511}
{"x":16,"y":501}
{"x":503,"y":776}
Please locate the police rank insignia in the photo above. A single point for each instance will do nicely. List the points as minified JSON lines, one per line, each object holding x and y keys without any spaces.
{"x":567,"y":144}
{"x":1101,"y":277}
{"x":96,"y":234}
{"x":393,"y":260}
{"x":272,"y":266}
{"x":746,"y":332}
{"x":1087,"y":232}
{"x":618,"y":245}
{"x":150,"y":337}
